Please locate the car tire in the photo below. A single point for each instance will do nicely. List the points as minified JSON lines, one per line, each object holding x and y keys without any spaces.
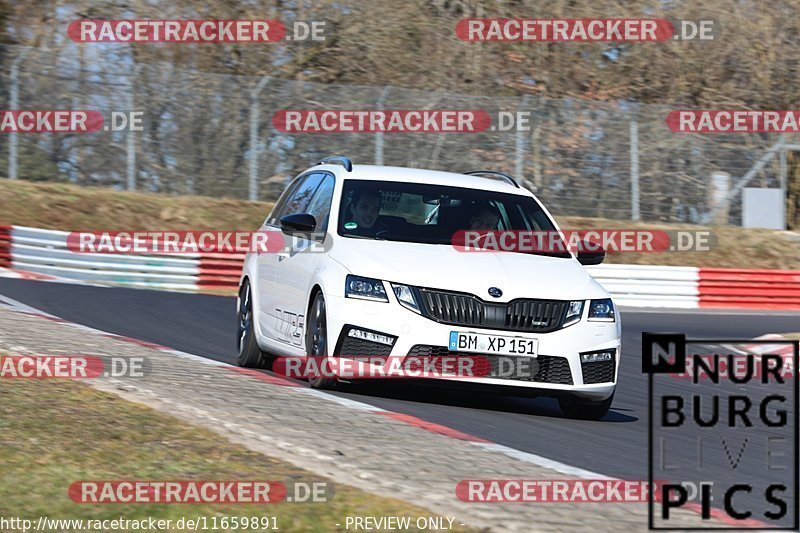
{"x":250,"y":355}
{"x":585,"y":409}
{"x":317,"y":344}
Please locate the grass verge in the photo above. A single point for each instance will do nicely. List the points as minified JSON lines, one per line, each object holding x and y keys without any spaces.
{"x":68,"y":207}
{"x":73,"y":208}
{"x":55,"y":432}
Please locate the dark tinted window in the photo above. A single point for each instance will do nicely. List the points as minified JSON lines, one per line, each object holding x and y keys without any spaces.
{"x":320,"y":205}
{"x":296,"y":198}
{"x":281,"y":202}
{"x":424,"y":213}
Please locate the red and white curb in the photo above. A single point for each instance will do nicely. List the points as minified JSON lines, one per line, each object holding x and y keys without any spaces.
{"x":425,"y":425}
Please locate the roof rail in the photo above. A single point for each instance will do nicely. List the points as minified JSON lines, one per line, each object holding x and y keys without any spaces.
{"x":338,"y":160}
{"x":494,"y":175}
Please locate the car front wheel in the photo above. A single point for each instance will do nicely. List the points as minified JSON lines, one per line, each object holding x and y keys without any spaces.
{"x":319,"y":374}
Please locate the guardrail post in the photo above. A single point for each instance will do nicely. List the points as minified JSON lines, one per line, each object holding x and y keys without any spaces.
{"x":379,"y":134}
{"x":13,"y":139}
{"x":131,"y":138}
{"x":254,"y":145}
{"x":635,"y":201}
{"x":783,"y":177}
{"x":519,"y":144}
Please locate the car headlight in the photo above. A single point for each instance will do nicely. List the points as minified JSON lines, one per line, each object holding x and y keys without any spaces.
{"x":574,"y":312}
{"x":364,"y":288}
{"x":405,"y":295}
{"x":602,"y":310}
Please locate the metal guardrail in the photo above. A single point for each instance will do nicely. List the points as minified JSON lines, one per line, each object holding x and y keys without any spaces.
{"x":45,"y":252}
{"x":650,"y":286}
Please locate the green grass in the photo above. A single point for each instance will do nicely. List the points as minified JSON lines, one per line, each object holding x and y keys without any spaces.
{"x":73,"y":208}
{"x":56,"y":432}
{"x":731,"y":246}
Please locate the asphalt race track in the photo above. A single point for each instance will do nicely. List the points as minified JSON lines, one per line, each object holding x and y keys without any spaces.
{"x":616,"y":446}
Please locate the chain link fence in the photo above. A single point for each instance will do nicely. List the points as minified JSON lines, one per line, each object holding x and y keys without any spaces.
{"x":211,"y":134}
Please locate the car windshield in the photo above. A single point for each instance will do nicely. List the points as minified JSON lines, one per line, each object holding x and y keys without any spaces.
{"x":433,"y":214}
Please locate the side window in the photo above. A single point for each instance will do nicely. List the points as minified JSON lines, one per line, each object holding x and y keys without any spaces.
{"x":281,"y":203}
{"x":297,"y":198}
{"x":320,"y":205}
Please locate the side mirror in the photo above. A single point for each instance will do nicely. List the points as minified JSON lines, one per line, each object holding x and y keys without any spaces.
{"x":591,"y":253}
{"x":298,"y":223}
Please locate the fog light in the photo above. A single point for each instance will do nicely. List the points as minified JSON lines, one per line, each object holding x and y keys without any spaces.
{"x":371,"y":336}
{"x":596,"y":357}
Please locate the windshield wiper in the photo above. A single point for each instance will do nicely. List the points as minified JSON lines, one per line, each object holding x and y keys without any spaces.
{"x":368,"y":237}
{"x":560,"y":255}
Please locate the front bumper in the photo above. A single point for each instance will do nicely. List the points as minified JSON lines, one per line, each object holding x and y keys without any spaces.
{"x":557,"y":370}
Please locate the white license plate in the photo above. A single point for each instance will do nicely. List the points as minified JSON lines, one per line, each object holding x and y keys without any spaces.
{"x":492,"y":344}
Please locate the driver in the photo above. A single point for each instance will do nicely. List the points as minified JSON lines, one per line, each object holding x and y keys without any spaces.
{"x":364,"y":207}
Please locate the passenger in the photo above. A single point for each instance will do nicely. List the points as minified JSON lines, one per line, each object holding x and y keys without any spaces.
{"x":486,"y":218}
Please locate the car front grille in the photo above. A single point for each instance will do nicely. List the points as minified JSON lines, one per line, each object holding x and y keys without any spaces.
{"x":533,"y":316}
{"x":543,"y":369}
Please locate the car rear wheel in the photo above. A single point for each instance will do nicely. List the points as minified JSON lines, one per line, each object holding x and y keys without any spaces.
{"x":585,"y":409}
{"x":317,"y":346}
{"x":250,"y":355}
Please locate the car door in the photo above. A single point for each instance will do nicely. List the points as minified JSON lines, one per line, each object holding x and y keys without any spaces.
{"x":296,"y":267}
{"x":296,"y":196}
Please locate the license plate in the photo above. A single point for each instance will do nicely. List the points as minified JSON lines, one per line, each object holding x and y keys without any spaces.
{"x":492,"y":344}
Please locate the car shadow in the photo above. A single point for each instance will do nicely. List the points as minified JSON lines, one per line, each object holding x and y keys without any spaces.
{"x":470,"y":399}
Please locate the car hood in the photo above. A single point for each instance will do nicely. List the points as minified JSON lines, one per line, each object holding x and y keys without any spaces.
{"x":441,"y":266}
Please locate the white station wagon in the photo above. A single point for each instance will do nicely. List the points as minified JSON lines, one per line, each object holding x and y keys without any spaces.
{"x":385,"y":279}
